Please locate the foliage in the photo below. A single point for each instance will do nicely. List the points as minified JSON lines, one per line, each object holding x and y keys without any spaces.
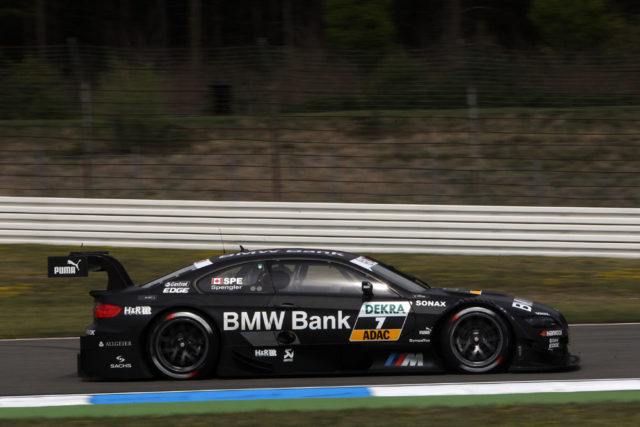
{"x":32,"y":89}
{"x":570,"y":24}
{"x":128,"y":97}
{"x":359,"y":25}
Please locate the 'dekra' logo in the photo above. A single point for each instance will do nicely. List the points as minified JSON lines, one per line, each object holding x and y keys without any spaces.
{"x":380,"y":321}
{"x":69,"y":269}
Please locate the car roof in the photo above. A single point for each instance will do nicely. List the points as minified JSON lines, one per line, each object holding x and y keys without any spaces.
{"x":288,"y":253}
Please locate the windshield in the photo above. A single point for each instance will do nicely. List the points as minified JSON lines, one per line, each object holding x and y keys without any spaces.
{"x":406,"y":281}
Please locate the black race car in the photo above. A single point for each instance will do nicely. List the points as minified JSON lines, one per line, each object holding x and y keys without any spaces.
{"x":304,"y":311}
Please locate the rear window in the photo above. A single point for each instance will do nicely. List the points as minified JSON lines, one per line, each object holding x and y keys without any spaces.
{"x":249,"y":277}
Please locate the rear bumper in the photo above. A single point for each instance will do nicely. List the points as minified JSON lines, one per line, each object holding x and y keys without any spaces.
{"x":104,"y":357}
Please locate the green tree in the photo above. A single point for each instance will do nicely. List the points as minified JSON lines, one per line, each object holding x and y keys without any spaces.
{"x":32,"y":89}
{"x":132,"y":100}
{"x":571,"y":24}
{"x":363,"y":25}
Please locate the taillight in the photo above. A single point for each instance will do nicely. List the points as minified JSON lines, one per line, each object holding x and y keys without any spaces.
{"x":106,"y":310}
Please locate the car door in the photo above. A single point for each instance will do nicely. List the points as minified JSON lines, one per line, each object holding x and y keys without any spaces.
{"x":323,"y":300}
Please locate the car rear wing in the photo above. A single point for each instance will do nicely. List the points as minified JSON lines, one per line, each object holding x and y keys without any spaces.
{"x":79,"y":264}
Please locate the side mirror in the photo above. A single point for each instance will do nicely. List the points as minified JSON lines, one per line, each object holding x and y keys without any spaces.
{"x":367,"y":289}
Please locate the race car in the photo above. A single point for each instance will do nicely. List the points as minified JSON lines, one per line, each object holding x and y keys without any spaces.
{"x":294,"y":311}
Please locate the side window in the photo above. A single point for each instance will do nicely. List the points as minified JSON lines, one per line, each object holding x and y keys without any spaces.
{"x":321,"y":277}
{"x":250,"y":277}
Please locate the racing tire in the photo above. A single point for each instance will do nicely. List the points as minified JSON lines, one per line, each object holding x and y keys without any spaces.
{"x":183,"y":345}
{"x":476,"y":340}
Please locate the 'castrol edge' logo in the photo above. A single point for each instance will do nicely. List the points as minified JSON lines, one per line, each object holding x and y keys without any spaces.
{"x":380,"y":321}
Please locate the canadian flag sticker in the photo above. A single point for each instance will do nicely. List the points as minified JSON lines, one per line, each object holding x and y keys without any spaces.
{"x":216,"y":281}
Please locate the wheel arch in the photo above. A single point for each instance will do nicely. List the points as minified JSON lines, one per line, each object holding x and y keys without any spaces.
{"x":162,"y":314}
{"x":440,"y":327}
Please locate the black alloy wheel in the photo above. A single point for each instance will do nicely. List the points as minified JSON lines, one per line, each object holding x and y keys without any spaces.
{"x":183,"y":345}
{"x":477,"y":341}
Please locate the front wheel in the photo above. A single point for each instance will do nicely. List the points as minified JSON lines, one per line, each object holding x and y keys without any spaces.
{"x":476,"y":340}
{"x":183,"y":345}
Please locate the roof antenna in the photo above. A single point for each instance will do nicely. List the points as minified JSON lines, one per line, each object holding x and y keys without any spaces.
{"x":221,"y":240}
{"x":242,"y":249}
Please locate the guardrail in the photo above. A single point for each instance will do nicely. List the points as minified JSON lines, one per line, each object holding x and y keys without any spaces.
{"x":444,"y":229}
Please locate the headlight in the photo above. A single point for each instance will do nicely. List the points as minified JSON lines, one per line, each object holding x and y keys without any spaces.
{"x":541,"y":321}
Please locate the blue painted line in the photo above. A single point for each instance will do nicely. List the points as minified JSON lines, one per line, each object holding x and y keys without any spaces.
{"x":221,"y":395}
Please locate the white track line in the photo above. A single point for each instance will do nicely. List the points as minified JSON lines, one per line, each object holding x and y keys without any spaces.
{"x":515,"y":387}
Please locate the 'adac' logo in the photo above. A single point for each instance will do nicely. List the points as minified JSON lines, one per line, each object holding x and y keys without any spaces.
{"x":380,"y":321}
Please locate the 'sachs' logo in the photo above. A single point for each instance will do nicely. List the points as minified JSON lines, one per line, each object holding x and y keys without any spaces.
{"x":140,"y":310}
{"x":380,"y":321}
{"x":404,"y":359}
{"x":288,"y":355}
{"x":121,"y":363}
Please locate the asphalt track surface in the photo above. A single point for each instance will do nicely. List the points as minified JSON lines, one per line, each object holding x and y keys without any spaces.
{"x":48,"y":366}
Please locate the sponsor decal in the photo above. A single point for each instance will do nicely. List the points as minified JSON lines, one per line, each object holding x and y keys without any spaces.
{"x":147,"y":297}
{"x":554,"y":333}
{"x":121,"y":363}
{"x":404,"y":359}
{"x":114,"y":344}
{"x":554,"y":343}
{"x":65,"y":266}
{"x":267,"y":352}
{"x":90,"y":332}
{"x":140,"y":310}
{"x":364,"y":262}
{"x":425,"y":331}
{"x":202,"y":263}
{"x":475,"y":292}
{"x":275,"y":320}
{"x":177,"y":284}
{"x":420,"y":340}
{"x":175,"y":291}
{"x":380,"y":321}
{"x":288,"y":355}
{"x":226,"y":283}
{"x":522,"y":304}
{"x":429,"y":303}
{"x":542,"y":313}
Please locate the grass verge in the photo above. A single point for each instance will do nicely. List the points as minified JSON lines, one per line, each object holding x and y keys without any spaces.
{"x":525,"y":413}
{"x":584,"y":289}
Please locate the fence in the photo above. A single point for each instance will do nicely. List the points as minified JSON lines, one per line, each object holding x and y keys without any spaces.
{"x":472,"y":230}
{"x":265,"y":124}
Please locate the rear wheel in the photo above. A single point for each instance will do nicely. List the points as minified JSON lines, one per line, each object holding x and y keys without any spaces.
{"x":476,"y":340}
{"x":183,"y":345}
